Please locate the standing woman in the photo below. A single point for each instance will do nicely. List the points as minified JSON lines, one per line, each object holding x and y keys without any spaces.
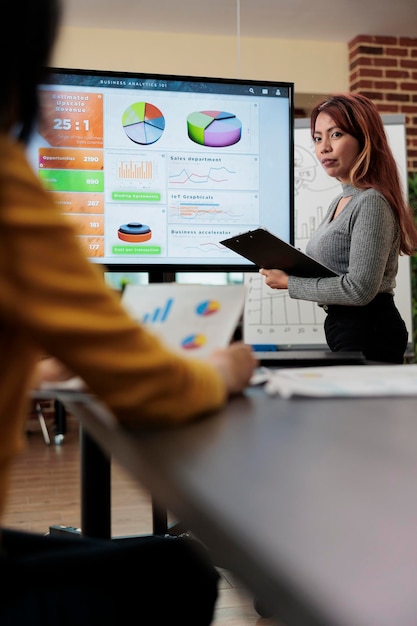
{"x":367,"y":226}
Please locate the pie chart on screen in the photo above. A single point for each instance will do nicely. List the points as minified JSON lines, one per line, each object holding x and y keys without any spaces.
{"x":208,"y":307}
{"x":143,"y":123}
{"x":193,"y":342}
{"x":216,"y":129}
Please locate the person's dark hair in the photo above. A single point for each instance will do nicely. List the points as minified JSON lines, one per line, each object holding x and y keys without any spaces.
{"x":34,"y":24}
{"x":375,"y":165}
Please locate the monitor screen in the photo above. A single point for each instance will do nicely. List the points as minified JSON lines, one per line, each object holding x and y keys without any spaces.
{"x":155,"y":170}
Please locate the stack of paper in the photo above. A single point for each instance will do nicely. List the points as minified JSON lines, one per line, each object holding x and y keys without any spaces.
{"x":343,"y":380}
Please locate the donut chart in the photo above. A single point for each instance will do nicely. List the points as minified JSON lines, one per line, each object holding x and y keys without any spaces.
{"x":216,"y":129}
{"x":143,"y":123}
{"x":208,"y":307}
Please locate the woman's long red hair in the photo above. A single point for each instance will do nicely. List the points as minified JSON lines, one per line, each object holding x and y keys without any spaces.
{"x":375,"y":165}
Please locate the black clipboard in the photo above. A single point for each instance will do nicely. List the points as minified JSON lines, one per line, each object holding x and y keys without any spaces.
{"x":268,"y":251}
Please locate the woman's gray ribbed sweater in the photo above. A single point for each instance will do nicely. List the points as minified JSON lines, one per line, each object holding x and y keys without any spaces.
{"x":361,"y":245}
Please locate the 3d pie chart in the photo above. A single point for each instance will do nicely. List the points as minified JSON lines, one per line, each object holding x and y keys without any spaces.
{"x":134,"y":232}
{"x":143,"y":123}
{"x":214,"y":128}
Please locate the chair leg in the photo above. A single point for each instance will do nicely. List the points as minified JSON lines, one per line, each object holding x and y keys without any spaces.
{"x":60,"y":422}
{"x":42,"y":423}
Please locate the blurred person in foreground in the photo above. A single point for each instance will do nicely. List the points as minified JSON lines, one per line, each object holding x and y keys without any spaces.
{"x":55,"y":302}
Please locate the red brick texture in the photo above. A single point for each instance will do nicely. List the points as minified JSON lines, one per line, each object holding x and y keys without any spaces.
{"x":385,"y":70}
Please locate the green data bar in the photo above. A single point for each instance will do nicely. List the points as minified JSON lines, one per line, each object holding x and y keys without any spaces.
{"x":136,"y":196}
{"x":136,"y":250}
{"x":63,"y":180}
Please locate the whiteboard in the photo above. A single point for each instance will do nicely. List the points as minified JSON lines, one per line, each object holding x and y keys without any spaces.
{"x":271,"y":317}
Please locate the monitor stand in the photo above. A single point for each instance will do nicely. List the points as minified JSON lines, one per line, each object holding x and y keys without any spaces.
{"x":155,"y":276}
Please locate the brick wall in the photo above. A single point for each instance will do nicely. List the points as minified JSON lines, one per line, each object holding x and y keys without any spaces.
{"x":385,"y":70}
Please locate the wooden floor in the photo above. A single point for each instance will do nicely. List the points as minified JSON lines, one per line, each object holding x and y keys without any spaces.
{"x":46,"y":492}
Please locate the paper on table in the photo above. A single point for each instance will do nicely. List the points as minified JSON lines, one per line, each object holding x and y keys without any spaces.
{"x":192,"y":319}
{"x":344,"y":380}
{"x":71,"y":384}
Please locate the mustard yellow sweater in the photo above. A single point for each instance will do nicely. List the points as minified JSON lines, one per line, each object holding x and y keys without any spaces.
{"x":54,"y":301}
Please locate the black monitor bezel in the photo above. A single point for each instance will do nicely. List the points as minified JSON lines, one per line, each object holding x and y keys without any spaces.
{"x":169,"y":267}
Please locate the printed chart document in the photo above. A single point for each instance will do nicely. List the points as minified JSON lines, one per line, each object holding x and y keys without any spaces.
{"x":193,"y":319}
{"x":268,"y":251}
{"x":342,"y":380}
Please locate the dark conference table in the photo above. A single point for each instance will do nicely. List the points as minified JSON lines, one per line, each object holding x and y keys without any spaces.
{"x":311,"y":502}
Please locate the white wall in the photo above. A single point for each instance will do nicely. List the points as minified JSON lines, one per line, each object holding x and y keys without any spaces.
{"x":315,"y":68}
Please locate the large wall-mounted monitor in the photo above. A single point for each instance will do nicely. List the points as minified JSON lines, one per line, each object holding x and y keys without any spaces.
{"x":155,"y":170}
